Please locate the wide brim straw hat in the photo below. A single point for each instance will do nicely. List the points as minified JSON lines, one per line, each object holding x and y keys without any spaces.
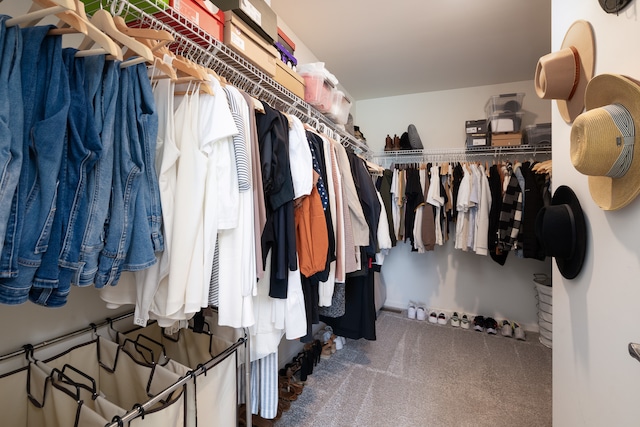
{"x":564,"y":75}
{"x":603,"y":140}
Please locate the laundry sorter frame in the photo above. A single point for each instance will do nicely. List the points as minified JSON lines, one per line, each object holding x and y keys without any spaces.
{"x":141,"y":408}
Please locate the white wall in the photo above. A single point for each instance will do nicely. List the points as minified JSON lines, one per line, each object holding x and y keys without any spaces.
{"x":448,"y":279}
{"x":596,"y":315}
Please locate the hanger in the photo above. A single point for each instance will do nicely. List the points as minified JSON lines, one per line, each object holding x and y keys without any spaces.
{"x":35,"y":14}
{"x":106,"y":43}
{"x":189,"y":72}
{"x":103,"y":20}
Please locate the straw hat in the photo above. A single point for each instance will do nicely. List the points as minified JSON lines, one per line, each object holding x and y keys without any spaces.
{"x":603,"y":140}
{"x":562,"y":231}
{"x":563,"y":75}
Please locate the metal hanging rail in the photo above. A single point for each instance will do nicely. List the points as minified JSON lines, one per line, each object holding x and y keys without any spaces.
{"x":387,"y":158}
{"x":195,"y":44}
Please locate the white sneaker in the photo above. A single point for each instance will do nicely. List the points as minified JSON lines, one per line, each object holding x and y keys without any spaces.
{"x":455,"y":320}
{"x":518,"y":332}
{"x":421,"y":313}
{"x":464,"y":322}
{"x":411,"y":311}
{"x":433,"y":317}
{"x":442,"y":319}
{"x":507,"y":329}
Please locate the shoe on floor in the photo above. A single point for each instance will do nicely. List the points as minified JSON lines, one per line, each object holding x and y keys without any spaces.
{"x":491,"y":325}
{"x":421,"y":313}
{"x":464,"y":322}
{"x":507,"y":329}
{"x":411,"y":310}
{"x":433,"y":317}
{"x":442,"y":319}
{"x":455,"y":320}
{"x":518,"y":332}
{"x":478,"y":323}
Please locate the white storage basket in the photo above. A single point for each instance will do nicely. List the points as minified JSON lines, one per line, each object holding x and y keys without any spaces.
{"x":544,"y":294}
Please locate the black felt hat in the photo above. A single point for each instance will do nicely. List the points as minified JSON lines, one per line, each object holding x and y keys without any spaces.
{"x":561,"y":229}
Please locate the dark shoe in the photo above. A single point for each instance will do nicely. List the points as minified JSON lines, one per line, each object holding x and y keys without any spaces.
{"x":491,"y":325}
{"x":396,"y":143}
{"x":388,"y":144}
{"x":404,"y":142}
{"x":478,"y":323}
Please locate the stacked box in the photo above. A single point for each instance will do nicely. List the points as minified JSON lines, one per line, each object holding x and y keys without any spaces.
{"x":503,"y":112}
{"x":256,"y":13}
{"x":506,"y":139}
{"x":199,"y":13}
{"x":246,"y":42}
{"x":289,"y":79}
{"x":477,"y":133}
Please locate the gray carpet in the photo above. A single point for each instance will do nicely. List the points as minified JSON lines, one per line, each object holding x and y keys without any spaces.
{"x":421,"y":374}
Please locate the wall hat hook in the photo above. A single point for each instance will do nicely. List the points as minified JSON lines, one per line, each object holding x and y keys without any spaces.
{"x":613,"y":6}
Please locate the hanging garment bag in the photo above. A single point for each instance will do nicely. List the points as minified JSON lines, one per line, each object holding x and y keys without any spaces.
{"x":216,"y":389}
{"x":125,"y":378}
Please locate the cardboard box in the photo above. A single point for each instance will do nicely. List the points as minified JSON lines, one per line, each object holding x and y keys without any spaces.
{"x":476,"y":126}
{"x":202,"y":13}
{"x":201,"y":19}
{"x":257,"y":13}
{"x":289,"y":79}
{"x":478,"y":140}
{"x":246,"y":42}
{"x":506,"y":139}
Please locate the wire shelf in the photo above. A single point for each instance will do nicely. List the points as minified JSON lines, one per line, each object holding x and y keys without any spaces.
{"x":194,"y":43}
{"x":388,"y":158}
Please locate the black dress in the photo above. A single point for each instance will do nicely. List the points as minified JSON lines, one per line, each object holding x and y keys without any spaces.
{"x":359,"y":319}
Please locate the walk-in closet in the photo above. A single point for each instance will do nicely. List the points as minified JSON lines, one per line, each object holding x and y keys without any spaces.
{"x":291,"y":213}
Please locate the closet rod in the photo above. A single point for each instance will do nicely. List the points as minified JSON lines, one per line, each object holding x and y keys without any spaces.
{"x":91,"y":327}
{"x":139,"y":410}
{"x":204,"y":49}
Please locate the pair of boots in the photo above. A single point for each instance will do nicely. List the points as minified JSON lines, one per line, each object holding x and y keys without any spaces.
{"x":392,"y":144}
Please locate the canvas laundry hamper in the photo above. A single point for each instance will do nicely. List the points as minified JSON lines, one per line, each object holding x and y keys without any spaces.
{"x":545,"y":308}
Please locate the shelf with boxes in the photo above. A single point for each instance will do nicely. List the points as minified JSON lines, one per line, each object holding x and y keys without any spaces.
{"x":540,"y":152}
{"x":502,"y":125}
{"x":211,"y":46}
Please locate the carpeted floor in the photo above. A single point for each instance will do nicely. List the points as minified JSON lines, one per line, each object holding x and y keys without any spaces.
{"x":421,"y":374}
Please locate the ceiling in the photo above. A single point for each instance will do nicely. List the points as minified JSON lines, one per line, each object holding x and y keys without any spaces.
{"x":377,"y":49}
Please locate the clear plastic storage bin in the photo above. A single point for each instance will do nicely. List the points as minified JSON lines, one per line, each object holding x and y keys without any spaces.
{"x":538,"y":134}
{"x":340,"y":107}
{"x":507,"y":102}
{"x":505,"y":122}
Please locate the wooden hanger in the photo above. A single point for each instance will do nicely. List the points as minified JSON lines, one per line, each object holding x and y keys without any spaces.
{"x":37,"y":12}
{"x":188,"y":71}
{"x":72,"y":20}
{"x":103,"y":20}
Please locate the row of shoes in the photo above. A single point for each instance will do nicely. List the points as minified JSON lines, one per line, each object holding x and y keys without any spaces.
{"x":409,"y":140}
{"x":507,"y":328}
{"x":480,"y":323}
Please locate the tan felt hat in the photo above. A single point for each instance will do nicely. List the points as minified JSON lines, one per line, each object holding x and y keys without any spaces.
{"x":603,"y":140}
{"x":563,"y":75}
